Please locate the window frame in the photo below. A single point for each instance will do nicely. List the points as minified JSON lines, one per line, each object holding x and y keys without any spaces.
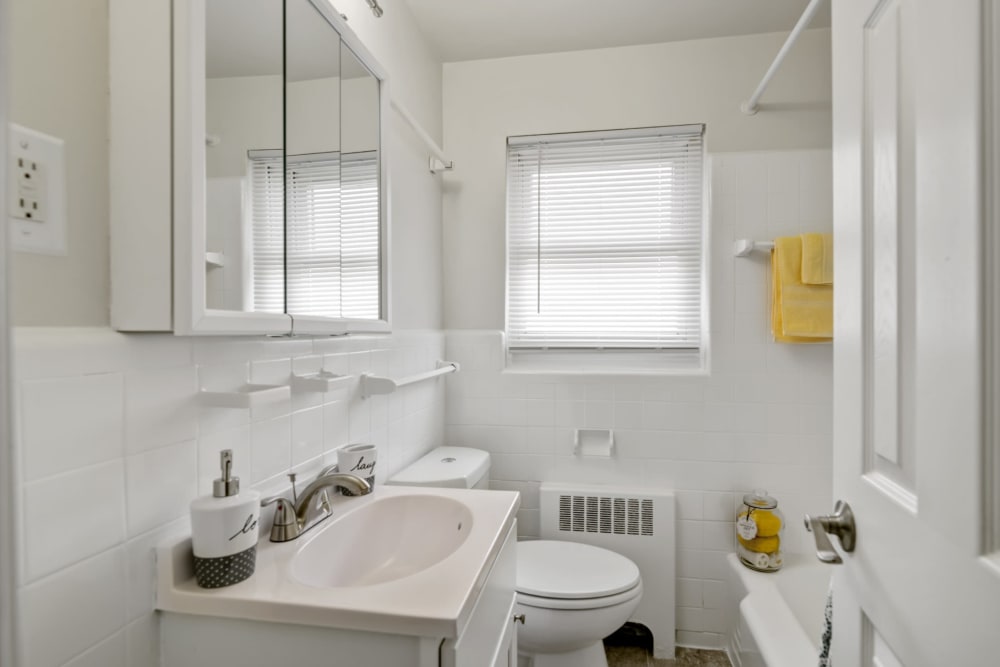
{"x":611,"y":360}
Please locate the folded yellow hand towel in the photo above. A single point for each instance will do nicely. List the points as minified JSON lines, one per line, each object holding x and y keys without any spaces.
{"x":799,"y":313}
{"x":817,"y":259}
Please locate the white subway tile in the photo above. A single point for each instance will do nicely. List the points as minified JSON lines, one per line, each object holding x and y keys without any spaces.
{"x":689,"y":563}
{"x":690,"y":534}
{"x":522,"y":467}
{"x":141,"y":566}
{"x":628,"y":392}
{"x":72,"y":516}
{"x":108,"y":653}
{"x":716,"y":594}
{"x":336,"y":425}
{"x":529,"y":492}
{"x":540,"y":412}
{"x":538,"y":440}
{"x":359,"y":419}
{"x":307,"y":365}
{"x":142,"y":641}
{"x":270,"y":448}
{"x":719,"y":535}
{"x":714,"y":565}
{"x":69,"y":423}
{"x":690,"y":504}
{"x":211,"y":444}
{"x":160,"y":407}
{"x":307,"y":435}
{"x":719,"y":507}
{"x":689,"y":592}
{"x":274,"y":372}
{"x":571,"y":413}
{"x":222,"y":377}
{"x":673,"y":416}
{"x":67,"y":613}
{"x":51,"y":352}
{"x":599,"y":414}
{"x":160,"y":485}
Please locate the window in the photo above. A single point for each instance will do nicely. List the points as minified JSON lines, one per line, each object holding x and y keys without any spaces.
{"x":330,"y":224}
{"x":605,"y":240}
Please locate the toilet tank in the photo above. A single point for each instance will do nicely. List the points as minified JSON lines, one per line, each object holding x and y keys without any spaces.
{"x":454,"y":467}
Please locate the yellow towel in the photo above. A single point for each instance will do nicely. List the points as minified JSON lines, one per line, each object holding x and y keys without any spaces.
{"x":817,"y":259}
{"x":799,"y":313}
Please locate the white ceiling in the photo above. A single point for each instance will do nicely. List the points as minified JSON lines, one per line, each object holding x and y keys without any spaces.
{"x":475,"y":29}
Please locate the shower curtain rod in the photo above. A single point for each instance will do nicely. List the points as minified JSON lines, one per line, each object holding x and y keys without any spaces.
{"x":437,"y":162}
{"x":750,"y":107}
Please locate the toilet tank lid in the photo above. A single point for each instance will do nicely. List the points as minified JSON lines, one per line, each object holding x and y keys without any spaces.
{"x":446,"y":466}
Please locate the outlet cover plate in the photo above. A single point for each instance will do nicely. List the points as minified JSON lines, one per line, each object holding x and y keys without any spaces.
{"x":36,"y":192}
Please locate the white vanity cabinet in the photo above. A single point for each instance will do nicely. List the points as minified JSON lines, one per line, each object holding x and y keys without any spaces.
{"x":487,"y":637}
{"x":490,"y":636}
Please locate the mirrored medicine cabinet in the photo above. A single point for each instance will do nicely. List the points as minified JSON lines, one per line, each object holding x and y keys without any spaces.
{"x":279,"y":198}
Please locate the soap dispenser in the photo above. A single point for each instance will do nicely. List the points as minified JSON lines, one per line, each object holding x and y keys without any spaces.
{"x":224,"y":530}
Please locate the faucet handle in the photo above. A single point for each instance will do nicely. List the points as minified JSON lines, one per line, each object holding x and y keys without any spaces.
{"x":286,"y":525}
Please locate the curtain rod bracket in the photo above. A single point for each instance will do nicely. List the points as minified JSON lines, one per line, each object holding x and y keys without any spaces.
{"x":436,"y":166}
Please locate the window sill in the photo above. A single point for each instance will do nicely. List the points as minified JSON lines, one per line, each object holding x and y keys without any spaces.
{"x":686,"y":363}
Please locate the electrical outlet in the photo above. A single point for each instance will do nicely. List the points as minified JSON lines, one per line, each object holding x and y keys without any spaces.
{"x":36,"y":192}
{"x":28,"y":200}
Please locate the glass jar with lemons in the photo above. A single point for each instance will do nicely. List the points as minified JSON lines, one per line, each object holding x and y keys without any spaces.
{"x":759,"y":527}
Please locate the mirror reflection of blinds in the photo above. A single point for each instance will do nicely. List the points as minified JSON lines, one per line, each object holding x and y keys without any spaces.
{"x":267,"y":238}
{"x":604,"y":239}
{"x":332,"y":234}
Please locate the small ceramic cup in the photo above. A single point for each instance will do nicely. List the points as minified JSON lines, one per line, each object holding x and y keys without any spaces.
{"x":358,"y":460}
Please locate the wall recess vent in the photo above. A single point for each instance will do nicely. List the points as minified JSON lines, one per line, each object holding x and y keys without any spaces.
{"x":605,"y":514}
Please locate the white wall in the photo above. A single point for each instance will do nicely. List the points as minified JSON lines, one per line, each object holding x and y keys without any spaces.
{"x":761,"y":419}
{"x":111,"y":442}
{"x":415,"y":202}
{"x":244,"y":112}
{"x":61,"y":90}
{"x":702,"y":81}
{"x":114,"y":444}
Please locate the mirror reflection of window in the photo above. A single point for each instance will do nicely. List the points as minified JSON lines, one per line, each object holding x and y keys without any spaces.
{"x":332,"y":208}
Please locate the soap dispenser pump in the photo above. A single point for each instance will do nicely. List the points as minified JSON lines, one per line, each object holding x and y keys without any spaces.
{"x":224,"y":530}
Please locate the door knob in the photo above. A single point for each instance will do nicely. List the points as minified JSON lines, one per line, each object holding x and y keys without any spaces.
{"x":841,"y":524}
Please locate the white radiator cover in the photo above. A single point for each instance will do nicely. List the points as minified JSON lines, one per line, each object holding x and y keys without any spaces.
{"x":640,"y":524}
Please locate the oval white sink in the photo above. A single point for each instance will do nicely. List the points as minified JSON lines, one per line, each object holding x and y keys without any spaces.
{"x":387,"y":539}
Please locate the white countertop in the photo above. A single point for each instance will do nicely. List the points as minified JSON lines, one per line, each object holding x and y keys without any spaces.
{"x":435,"y":602}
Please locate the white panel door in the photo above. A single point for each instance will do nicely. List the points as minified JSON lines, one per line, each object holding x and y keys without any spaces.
{"x":921,"y":588}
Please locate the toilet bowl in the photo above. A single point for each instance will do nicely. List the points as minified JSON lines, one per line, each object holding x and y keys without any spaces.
{"x":572,"y":595}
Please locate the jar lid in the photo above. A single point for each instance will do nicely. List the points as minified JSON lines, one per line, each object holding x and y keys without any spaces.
{"x":760,"y":500}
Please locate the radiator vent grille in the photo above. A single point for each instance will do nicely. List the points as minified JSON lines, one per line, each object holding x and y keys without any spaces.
{"x":605,"y":514}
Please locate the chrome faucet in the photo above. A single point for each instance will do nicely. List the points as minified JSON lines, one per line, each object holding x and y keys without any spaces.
{"x":296,"y":516}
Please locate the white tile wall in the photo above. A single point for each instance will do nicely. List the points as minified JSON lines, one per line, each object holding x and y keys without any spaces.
{"x":114,"y":445}
{"x":763,"y":418}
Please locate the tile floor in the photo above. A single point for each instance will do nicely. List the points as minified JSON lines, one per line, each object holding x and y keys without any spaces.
{"x":638,"y":656}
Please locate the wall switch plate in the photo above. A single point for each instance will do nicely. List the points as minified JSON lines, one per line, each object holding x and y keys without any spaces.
{"x":36,"y":192}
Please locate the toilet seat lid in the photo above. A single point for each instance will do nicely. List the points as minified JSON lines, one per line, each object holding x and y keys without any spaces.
{"x":572,"y":571}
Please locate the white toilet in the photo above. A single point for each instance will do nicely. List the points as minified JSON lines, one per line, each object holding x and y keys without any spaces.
{"x":572,"y":595}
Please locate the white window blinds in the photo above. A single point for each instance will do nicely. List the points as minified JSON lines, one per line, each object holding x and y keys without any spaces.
{"x":332,"y":235}
{"x":604,"y":239}
{"x":267,"y":238}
